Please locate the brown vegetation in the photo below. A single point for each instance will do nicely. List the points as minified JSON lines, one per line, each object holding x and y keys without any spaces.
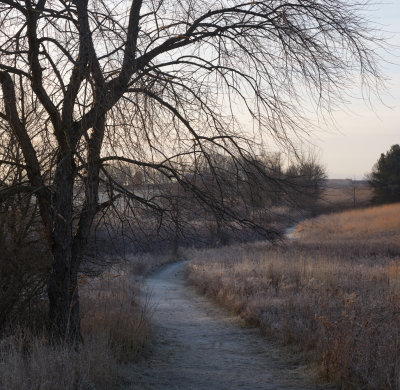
{"x":344,"y":194}
{"x":334,"y":294}
{"x":115,"y":330}
{"x":377,"y":228}
{"x":24,"y":264}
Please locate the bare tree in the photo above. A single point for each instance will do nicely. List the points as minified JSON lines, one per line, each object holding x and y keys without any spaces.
{"x":306,"y":181}
{"x":150,"y":83}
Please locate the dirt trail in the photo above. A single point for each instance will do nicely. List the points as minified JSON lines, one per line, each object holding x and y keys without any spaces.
{"x":201,"y":347}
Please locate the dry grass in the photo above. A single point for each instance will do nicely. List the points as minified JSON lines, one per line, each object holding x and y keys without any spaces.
{"x":380,"y":221}
{"x":113,"y":309}
{"x":28,"y":362}
{"x":373,"y":230}
{"x":346,"y":196}
{"x":335,"y":298}
{"x":143,"y":264}
{"x":115,"y":327}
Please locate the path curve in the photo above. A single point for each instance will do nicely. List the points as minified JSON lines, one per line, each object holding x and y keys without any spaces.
{"x":199,"y":346}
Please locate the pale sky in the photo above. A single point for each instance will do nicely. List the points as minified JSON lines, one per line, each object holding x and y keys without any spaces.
{"x":361,"y":134}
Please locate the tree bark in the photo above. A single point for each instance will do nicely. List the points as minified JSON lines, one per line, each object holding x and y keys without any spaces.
{"x":67,"y":246}
{"x":63,"y":286}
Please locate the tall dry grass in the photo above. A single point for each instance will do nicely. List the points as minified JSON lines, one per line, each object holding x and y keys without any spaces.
{"x":337,"y":299}
{"x":115,"y":328}
{"x":373,"y":223}
{"x":345,"y":197}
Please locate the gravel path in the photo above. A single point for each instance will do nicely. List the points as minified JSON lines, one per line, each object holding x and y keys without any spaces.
{"x":201,"y":347}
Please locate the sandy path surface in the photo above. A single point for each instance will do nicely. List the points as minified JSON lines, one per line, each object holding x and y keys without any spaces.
{"x":201,"y":347}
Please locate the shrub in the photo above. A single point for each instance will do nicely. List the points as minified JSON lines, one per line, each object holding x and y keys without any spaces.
{"x":24,"y":264}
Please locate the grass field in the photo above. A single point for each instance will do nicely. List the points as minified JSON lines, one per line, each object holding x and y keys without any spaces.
{"x":347,"y":193}
{"x":373,"y":223}
{"x":340,"y":195}
{"x":334,"y":293}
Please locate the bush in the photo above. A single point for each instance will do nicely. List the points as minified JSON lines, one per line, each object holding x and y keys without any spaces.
{"x":24,"y":264}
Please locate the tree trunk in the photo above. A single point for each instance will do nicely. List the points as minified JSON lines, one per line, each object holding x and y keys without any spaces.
{"x":63,"y":294}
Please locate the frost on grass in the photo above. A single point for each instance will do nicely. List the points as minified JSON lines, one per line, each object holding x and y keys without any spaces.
{"x":115,"y":330}
{"x":337,"y":296}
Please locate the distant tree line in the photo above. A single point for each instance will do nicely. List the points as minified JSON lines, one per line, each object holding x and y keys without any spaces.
{"x":262,"y":181}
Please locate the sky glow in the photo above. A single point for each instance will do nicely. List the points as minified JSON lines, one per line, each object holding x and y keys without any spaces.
{"x":362,"y":131}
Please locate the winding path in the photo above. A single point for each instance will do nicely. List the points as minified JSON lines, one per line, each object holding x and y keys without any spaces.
{"x":201,"y":347}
